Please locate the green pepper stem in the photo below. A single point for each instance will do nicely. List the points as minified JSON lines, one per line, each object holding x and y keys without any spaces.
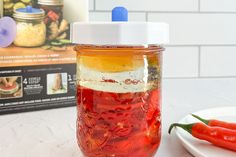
{"x":186,"y":127}
{"x":201,"y":119}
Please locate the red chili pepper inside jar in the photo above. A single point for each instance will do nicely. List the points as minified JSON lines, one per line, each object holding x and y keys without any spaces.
{"x":53,"y":9}
{"x":119,"y":86}
{"x":57,"y":27}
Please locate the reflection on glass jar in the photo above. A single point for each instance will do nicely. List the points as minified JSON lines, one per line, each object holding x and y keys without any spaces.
{"x":31,"y":30}
{"x":119,"y":100}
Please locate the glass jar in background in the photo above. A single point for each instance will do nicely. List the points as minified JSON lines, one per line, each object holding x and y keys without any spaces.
{"x":53,"y":9}
{"x":119,"y":86}
{"x":57,"y":26}
{"x":31,"y":30}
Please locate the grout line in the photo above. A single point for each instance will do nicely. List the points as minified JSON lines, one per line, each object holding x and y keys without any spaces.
{"x":202,"y":77}
{"x":199,"y":61}
{"x":175,"y":12}
{"x":94,"y":5}
{"x":181,"y":45}
{"x":199,"y":5}
{"x":193,"y":12}
{"x":205,"y":45}
{"x":218,"y":77}
{"x":132,"y":11}
{"x":146,"y":14}
{"x":179,"y":78}
{"x":107,"y":11}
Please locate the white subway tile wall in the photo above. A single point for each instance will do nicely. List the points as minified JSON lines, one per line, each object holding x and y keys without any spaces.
{"x":218,"y":5}
{"x":218,"y":61}
{"x":181,"y":62}
{"x":199,"y":29}
{"x":202,"y":33}
{"x":91,"y":4}
{"x":149,"y":5}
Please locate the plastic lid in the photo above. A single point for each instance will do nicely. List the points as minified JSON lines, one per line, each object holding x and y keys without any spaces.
{"x":7,"y":31}
{"x":29,"y":9}
{"x":120,"y":33}
{"x":29,"y":13}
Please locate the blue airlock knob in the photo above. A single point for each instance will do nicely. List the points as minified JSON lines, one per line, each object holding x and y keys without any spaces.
{"x":119,"y":14}
{"x":29,"y":9}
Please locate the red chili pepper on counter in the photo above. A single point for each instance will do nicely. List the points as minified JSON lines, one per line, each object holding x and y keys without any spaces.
{"x":218,"y":136}
{"x":216,"y":123}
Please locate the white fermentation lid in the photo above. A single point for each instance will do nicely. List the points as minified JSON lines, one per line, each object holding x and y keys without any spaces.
{"x":119,"y":31}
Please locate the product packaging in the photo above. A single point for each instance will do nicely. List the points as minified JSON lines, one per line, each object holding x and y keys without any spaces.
{"x":37,"y":61}
{"x":1,"y":8}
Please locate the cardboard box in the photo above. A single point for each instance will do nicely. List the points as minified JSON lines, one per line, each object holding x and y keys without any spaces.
{"x":1,"y":8}
{"x":38,"y":70}
{"x":41,"y":79}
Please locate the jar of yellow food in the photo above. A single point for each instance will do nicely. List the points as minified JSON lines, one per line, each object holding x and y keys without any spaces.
{"x":31,"y":29}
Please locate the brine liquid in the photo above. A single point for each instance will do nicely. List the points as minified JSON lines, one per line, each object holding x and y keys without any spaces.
{"x":118,"y":124}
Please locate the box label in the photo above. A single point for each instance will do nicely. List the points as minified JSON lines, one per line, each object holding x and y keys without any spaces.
{"x":37,"y":87}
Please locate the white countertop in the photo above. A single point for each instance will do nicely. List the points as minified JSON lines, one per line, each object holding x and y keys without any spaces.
{"x":51,"y":133}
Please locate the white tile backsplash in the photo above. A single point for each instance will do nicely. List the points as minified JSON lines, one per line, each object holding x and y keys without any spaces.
{"x":199,"y":29}
{"x":209,"y":24}
{"x":218,"y":61}
{"x":180,"y":62}
{"x":149,"y":5}
{"x":218,"y":5}
{"x":91,"y":4}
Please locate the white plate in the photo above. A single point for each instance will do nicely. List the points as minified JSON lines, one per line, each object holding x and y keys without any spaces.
{"x":201,"y":148}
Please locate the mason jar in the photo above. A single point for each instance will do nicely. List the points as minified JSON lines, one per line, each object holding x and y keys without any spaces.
{"x":31,"y":30}
{"x":53,"y":9}
{"x":119,"y":87}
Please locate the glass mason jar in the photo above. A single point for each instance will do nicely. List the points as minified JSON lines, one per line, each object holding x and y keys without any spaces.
{"x":53,"y":18}
{"x":119,"y":100}
{"x":31,"y":30}
{"x":53,"y":9}
{"x":119,"y":87}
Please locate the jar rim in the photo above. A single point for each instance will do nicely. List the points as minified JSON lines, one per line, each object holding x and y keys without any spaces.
{"x":113,"y":49}
{"x":29,"y":16}
{"x":51,"y":2}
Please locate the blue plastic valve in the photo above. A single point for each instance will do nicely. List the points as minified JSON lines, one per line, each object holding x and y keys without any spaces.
{"x":119,"y":14}
{"x":29,"y":9}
